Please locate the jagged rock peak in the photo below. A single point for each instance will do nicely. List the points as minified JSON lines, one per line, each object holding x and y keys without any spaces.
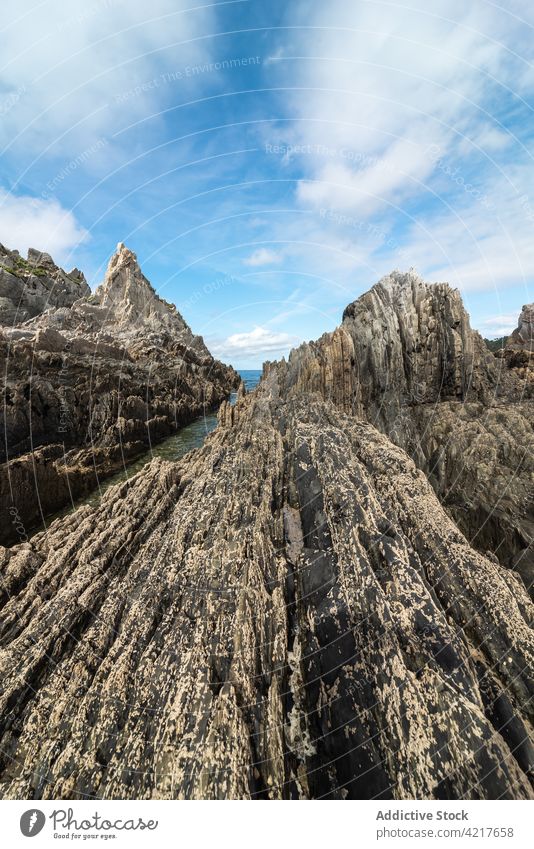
{"x":123,"y":256}
{"x":406,"y":288}
{"x":124,"y":281}
{"x":426,"y":328}
{"x":402,"y":340}
{"x":523,"y":335}
{"x":402,"y":283}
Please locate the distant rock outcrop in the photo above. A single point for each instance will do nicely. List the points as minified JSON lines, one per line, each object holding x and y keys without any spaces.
{"x":523,"y":335}
{"x":287,"y":613}
{"x":91,"y":383}
{"x":290,"y":612}
{"x":131,"y":300}
{"x":518,"y":352}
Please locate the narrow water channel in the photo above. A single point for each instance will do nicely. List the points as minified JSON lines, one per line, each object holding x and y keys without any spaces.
{"x":173,"y":448}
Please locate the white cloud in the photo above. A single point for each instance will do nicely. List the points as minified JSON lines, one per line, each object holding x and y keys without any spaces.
{"x":262,"y":256}
{"x":27,"y":222}
{"x":391,"y":175}
{"x":374,"y":78}
{"x":475,"y":247}
{"x":68,"y":70}
{"x":257,"y":343}
{"x":377,"y":93}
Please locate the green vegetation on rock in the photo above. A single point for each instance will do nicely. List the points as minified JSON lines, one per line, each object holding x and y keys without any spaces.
{"x":496,"y":344}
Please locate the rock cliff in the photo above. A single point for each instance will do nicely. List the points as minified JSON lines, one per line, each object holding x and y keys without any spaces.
{"x":90,"y":384}
{"x":518,"y":351}
{"x":406,"y":359}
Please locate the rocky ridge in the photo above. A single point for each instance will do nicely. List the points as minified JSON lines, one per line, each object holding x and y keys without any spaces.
{"x":90,"y":384}
{"x":289,"y":612}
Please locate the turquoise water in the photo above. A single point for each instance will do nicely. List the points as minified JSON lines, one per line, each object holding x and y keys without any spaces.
{"x":250,"y":377}
{"x":173,"y":448}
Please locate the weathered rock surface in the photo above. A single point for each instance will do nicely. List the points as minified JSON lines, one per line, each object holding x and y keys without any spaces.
{"x":290,"y":611}
{"x":30,"y":286}
{"x":287,"y":613}
{"x":90,"y":385}
{"x":518,"y":351}
{"x":406,"y":359}
{"x":523,"y":335}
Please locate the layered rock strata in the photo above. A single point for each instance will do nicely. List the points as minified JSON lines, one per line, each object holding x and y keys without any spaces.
{"x":287,"y":613}
{"x":92,"y":383}
{"x":522,"y":337}
{"x":406,"y":359}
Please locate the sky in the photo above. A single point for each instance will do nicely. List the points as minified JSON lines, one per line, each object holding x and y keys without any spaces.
{"x":270,"y":161}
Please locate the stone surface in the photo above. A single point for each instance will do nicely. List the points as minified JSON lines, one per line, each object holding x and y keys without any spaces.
{"x":29,"y":287}
{"x":523,"y":335}
{"x":90,"y":385}
{"x":518,"y":352}
{"x":286,"y":613}
{"x":406,"y":359}
{"x":290,"y":611}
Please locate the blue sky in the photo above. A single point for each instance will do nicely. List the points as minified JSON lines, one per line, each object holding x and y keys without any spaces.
{"x":270,"y":161}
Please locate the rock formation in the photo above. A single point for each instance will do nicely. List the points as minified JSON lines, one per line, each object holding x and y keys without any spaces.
{"x":406,"y":359}
{"x":289,"y":611}
{"x":523,"y":335}
{"x":90,"y":383}
{"x":30,"y":286}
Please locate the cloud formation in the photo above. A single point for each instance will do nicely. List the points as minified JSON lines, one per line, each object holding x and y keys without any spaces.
{"x":28,"y":222}
{"x":381,"y":135}
{"x":498,"y":325}
{"x":257,"y":343}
